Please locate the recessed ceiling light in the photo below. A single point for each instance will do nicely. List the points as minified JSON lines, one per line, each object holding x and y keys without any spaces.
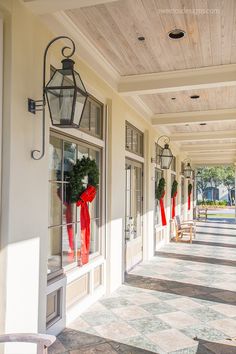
{"x":176,"y":34}
{"x":202,"y":124}
{"x":194,"y":97}
{"x":141,"y":38}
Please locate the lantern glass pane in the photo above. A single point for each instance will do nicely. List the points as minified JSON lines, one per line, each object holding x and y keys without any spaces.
{"x":60,"y":103}
{"x":78,"y":82}
{"x":188,"y":172}
{"x":166,"y":158}
{"x":56,"y":80}
{"x":79,"y":106}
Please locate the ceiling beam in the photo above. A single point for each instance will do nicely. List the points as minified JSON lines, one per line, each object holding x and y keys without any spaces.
{"x":179,"y":80}
{"x":41,"y":7}
{"x":212,"y":135}
{"x":196,"y":117}
{"x":208,"y":147}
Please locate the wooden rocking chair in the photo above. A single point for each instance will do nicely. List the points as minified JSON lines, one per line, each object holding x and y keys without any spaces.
{"x":185,"y":227}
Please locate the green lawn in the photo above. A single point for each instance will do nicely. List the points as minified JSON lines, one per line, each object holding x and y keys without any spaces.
{"x":223,"y":216}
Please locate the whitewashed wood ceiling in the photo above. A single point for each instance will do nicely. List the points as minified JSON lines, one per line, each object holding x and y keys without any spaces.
{"x":113,"y":27}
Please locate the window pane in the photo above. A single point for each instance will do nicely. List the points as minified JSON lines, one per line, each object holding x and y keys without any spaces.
{"x":94,"y":241}
{"x":84,"y":124}
{"x":68,"y":211}
{"x":95,"y":119}
{"x":55,"y":157}
{"x":135,"y":142}
{"x":82,"y":151}
{"x":54,"y":250}
{"x":55,"y":203}
{"x":69,"y":158}
{"x":68,"y":245}
{"x":128,"y":138}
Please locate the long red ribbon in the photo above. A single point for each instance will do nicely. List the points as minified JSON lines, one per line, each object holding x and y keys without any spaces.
{"x":189,"y":201}
{"x":173,"y":205}
{"x":163,"y":214}
{"x":87,"y":196}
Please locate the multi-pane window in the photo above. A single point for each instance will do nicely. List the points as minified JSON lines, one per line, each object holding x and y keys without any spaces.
{"x":158,"y":176}
{"x":133,"y":140}
{"x":91,"y":121}
{"x":64,"y":216}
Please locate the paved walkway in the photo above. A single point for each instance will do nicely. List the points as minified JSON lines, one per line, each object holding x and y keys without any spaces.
{"x":182,"y":302}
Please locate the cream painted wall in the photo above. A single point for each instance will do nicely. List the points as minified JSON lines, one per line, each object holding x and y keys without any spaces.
{"x":24,"y":231}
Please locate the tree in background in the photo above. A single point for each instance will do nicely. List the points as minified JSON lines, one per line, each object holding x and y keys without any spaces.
{"x":214,"y":177}
{"x":229,"y":181}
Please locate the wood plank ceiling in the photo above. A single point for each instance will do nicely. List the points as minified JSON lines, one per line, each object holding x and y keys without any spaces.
{"x":113,"y":29}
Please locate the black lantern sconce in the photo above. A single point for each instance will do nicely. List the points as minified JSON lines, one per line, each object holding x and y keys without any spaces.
{"x":65,"y":94}
{"x":165,"y":155}
{"x":188,"y":171}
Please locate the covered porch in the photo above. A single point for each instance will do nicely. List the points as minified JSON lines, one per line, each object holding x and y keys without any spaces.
{"x":181,"y":301}
{"x":107,"y":110}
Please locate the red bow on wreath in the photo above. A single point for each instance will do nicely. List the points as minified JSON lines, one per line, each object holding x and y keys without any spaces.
{"x":86,"y":197}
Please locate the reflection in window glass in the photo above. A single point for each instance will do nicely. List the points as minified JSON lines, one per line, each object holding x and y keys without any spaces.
{"x":91,"y":121}
{"x":54,"y":250}
{"x":55,"y":156}
{"x":64,"y":217}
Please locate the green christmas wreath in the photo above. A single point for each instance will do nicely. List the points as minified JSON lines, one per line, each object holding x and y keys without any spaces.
{"x":83,"y":167}
{"x":190,"y":187}
{"x":174,"y":188}
{"x":160,"y":189}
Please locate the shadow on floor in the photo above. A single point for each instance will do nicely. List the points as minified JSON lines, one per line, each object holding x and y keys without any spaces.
{"x":218,"y":244}
{"x":192,"y":258}
{"x":84,"y":343}
{"x":215,"y":234}
{"x":206,"y":347}
{"x":226,"y":227}
{"x":183,"y":289}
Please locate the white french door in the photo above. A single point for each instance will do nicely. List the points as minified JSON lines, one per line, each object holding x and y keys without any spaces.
{"x":133,"y":252}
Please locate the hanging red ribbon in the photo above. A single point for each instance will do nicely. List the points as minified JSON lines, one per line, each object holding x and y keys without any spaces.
{"x":87,"y":196}
{"x":163,"y":214}
{"x":189,"y":201}
{"x":173,"y":205}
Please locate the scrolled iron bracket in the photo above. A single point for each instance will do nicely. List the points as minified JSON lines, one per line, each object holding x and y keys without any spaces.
{"x":39,"y":105}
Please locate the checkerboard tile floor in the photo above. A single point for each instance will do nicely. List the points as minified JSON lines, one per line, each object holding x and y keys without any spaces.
{"x":183,"y":301}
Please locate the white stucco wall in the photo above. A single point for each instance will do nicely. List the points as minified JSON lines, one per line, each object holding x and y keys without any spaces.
{"x":24,"y":227}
